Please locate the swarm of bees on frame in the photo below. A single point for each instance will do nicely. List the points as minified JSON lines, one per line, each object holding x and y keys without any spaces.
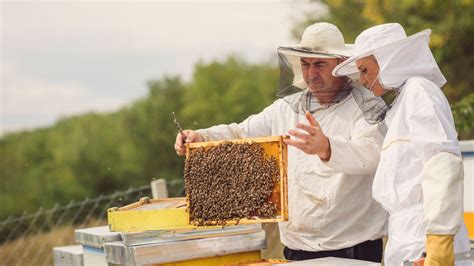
{"x":229,"y":182}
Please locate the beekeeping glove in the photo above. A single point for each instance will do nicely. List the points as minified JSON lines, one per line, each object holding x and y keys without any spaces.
{"x":439,"y":250}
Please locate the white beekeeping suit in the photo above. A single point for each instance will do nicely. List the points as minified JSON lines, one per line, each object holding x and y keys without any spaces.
{"x":419,"y":180}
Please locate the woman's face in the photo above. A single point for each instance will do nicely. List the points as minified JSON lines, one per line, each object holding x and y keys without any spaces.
{"x":368,"y":71}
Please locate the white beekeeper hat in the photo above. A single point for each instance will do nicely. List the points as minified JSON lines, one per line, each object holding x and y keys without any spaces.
{"x":399,"y":57}
{"x":320,"y":40}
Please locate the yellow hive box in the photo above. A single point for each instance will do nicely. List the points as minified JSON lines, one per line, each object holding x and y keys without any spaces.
{"x":469,"y":221}
{"x":259,"y":262}
{"x":219,"y":260}
{"x":171,"y":214}
{"x":149,"y":214}
{"x":272,"y":146}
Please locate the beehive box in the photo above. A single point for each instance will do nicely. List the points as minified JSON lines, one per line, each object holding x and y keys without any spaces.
{"x":171,"y":214}
{"x":259,"y":262}
{"x":272,"y":147}
{"x":149,"y":214}
{"x":189,"y":250}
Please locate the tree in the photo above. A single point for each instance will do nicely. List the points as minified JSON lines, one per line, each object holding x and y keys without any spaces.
{"x":229,"y":91}
{"x":94,"y":153}
{"x":149,"y":126}
{"x":463,"y":113}
{"x":452,"y":39}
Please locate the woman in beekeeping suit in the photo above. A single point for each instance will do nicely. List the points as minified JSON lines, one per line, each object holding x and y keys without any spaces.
{"x":419,"y":180}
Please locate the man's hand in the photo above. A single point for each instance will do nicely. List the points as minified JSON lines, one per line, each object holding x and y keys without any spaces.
{"x":189,"y":137}
{"x":315,"y":142}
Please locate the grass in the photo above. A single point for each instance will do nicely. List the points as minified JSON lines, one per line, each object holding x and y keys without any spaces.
{"x":38,"y":249}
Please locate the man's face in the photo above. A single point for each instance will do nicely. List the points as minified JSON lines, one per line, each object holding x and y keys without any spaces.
{"x":318,"y":77}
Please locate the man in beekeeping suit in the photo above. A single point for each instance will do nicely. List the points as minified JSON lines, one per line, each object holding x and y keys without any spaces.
{"x":332,"y":156}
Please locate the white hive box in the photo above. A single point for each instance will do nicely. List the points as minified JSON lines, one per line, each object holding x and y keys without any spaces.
{"x":92,"y":241}
{"x":176,"y":251}
{"x":159,"y":236}
{"x":68,"y":256}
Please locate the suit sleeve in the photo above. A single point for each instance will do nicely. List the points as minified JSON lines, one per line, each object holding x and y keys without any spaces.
{"x":359,"y":154}
{"x":434,"y":137}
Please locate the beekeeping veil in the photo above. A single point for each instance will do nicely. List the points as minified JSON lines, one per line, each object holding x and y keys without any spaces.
{"x":399,"y":57}
{"x":320,"y":40}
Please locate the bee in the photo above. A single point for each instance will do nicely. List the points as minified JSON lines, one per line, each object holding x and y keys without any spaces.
{"x":230,"y":182}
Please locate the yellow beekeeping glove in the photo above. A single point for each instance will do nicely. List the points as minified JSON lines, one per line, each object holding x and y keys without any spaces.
{"x":439,"y":250}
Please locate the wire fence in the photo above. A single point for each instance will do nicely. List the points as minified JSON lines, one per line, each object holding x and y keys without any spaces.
{"x":29,"y":238}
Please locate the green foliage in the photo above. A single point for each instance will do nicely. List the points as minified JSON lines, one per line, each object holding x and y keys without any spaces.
{"x":452,"y":39}
{"x":150,"y":129}
{"x":96,"y":154}
{"x":229,"y":91}
{"x":463,"y":113}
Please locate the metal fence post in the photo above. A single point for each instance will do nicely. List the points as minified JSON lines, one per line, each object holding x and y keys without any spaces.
{"x":158,"y":188}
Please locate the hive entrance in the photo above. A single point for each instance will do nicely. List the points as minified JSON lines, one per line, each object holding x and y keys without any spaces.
{"x":230,"y":181}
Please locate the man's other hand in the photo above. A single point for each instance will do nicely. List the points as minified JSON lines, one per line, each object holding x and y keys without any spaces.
{"x":313,"y":141}
{"x":189,"y":137}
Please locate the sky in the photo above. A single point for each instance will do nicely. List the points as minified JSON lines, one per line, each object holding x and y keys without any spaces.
{"x":63,"y":58}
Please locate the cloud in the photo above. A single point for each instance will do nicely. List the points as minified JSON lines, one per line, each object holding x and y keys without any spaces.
{"x":68,"y":57}
{"x":29,"y":102}
{"x":142,"y":27}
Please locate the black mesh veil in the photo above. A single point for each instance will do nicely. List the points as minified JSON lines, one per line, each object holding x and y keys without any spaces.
{"x":293,"y":88}
{"x":374,"y":108}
